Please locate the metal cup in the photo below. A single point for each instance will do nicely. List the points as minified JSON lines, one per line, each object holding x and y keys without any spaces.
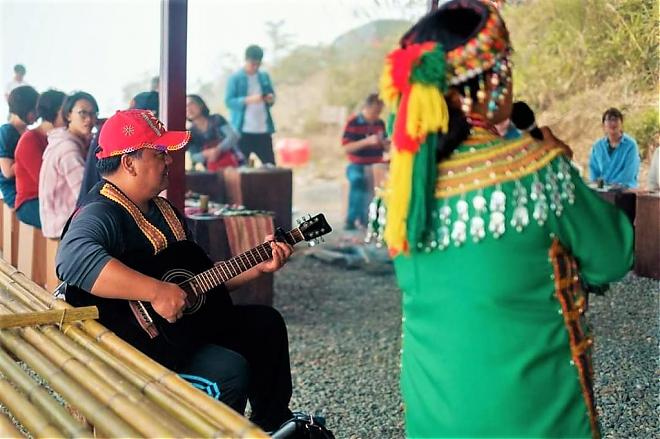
{"x":204,"y":203}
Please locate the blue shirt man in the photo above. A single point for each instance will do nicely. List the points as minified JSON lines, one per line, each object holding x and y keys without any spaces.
{"x":614,"y":158}
{"x":249,"y":96}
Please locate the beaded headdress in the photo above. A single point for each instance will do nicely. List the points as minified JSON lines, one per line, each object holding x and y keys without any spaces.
{"x":412,"y":85}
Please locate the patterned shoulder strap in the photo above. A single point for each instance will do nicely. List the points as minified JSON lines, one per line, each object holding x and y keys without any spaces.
{"x":172,"y":219}
{"x":151,"y":232}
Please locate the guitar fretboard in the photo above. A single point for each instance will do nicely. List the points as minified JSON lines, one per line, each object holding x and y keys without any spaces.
{"x":225,"y":270}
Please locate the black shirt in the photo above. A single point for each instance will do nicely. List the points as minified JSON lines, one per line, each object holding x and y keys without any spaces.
{"x":101,"y":230}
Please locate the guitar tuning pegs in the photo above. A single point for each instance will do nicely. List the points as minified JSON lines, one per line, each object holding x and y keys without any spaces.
{"x":312,"y":243}
{"x":308,"y":217}
{"x":299,"y":221}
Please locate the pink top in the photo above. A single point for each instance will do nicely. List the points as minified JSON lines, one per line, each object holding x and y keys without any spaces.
{"x":60,"y":179}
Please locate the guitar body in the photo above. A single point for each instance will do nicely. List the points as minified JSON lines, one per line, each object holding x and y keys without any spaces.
{"x":178,"y":262}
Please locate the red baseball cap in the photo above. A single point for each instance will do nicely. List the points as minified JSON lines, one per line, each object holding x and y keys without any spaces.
{"x":129,"y":130}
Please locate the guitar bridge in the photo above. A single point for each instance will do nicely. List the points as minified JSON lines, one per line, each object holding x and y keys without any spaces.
{"x":144,"y":319}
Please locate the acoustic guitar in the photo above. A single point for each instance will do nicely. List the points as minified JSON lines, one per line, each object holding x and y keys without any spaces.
{"x":187,"y":265}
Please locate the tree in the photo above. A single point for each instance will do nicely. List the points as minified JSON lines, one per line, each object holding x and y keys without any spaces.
{"x":280,"y":41}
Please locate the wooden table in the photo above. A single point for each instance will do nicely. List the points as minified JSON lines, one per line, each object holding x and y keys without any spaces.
{"x":266,"y":188}
{"x":210,"y":233}
{"x":647,"y":235}
{"x":624,"y":200}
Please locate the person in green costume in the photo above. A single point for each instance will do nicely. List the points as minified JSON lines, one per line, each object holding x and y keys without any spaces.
{"x":492,"y":240}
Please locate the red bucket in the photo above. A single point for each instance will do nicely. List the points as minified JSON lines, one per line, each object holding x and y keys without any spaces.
{"x":292,"y":151}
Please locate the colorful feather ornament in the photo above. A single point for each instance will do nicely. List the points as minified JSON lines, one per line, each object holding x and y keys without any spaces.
{"x":412,"y":84}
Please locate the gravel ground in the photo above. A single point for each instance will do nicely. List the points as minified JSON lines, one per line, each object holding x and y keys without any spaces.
{"x":344,"y":332}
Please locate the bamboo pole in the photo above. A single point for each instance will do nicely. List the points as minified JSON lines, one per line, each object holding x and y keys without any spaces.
{"x":41,"y":399}
{"x":158,"y":393}
{"x":139,"y":418}
{"x":103,"y":371}
{"x":7,"y":428}
{"x":48,"y":317}
{"x":222,"y":416}
{"x":218,"y":412}
{"x":101,"y":416}
{"x":119,"y":383}
{"x":26,"y":412}
{"x":17,"y":277}
{"x":188,"y":414}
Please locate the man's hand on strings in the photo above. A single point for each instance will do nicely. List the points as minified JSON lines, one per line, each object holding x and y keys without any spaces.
{"x":281,"y":252}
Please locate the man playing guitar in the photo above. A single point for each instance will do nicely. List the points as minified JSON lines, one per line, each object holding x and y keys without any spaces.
{"x":233,"y":352}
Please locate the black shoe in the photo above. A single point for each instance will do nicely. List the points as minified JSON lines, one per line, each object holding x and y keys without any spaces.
{"x":303,"y":426}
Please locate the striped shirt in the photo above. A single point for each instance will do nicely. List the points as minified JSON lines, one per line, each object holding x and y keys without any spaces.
{"x":358,"y":128}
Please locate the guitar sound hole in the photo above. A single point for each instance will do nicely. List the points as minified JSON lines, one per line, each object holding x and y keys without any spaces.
{"x":194,"y":301}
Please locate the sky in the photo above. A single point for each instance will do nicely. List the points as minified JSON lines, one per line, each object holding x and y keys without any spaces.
{"x":101,"y":45}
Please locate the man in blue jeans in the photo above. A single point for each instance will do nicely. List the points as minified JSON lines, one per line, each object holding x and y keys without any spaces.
{"x":249,"y":96}
{"x":365,"y":141}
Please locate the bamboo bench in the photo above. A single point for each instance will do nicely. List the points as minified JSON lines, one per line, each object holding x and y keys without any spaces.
{"x":110,"y":388}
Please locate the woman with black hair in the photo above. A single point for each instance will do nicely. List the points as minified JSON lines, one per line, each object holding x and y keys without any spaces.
{"x":29,"y":152}
{"x":491,"y":239}
{"x":64,"y":162}
{"x":214,"y":143}
{"x":22,"y":101}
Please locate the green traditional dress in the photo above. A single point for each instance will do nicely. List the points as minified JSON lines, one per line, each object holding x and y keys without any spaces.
{"x":494,"y":343}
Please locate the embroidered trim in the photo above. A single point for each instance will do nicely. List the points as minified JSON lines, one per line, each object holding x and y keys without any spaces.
{"x":153,"y":146}
{"x":490,"y":153}
{"x":571,"y":297}
{"x":155,"y":236}
{"x":172,"y":220}
{"x":535,"y":189}
{"x":528,"y":163}
{"x":155,"y":125}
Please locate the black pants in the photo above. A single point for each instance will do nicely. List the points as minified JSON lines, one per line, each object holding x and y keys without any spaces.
{"x":248,"y":358}
{"x":260,"y":144}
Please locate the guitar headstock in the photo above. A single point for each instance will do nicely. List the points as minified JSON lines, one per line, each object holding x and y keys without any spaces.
{"x":312,"y":229}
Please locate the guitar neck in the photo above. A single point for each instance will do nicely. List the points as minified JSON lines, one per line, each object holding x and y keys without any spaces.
{"x":224,"y":270}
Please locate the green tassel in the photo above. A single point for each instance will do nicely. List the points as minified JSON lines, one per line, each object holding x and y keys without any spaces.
{"x":422,"y":198}
{"x":431,"y":69}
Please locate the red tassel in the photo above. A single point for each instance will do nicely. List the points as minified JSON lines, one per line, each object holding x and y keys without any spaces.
{"x":400,"y":137}
{"x":403,"y":60}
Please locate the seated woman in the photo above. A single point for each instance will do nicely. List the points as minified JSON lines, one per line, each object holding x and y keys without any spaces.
{"x":64,"y":163}
{"x":29,"y":152}
{"x":22,"y":101}
{"x":214,"y":143}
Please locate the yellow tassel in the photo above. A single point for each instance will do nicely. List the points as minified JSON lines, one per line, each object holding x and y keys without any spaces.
{"x":398,"y":199}
{"x":427,"y":111}
{"x":388,"y":93}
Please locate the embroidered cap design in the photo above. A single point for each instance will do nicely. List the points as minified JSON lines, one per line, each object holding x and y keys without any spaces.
{"x":128,"y":130}
{"x":153,"y":123}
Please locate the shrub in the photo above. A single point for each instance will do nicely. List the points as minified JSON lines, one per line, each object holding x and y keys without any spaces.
{"x":644,"y":127}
